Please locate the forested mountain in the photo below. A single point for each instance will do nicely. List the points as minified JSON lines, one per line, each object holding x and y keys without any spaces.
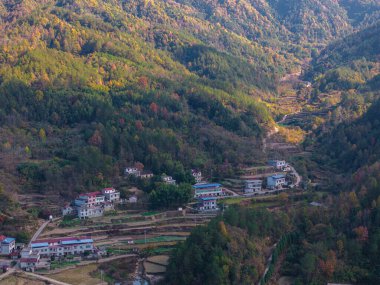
{"x":88,"y":87}
{"x":361,"y":12}
{"x":353,"y":144}
{"x":230,"y":250}
{"x":349,"y":62}
{"x":122,"y":80}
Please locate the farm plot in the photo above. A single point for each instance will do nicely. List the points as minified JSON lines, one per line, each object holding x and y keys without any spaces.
{"x":152,"y":230}
{"x":80,"y":276}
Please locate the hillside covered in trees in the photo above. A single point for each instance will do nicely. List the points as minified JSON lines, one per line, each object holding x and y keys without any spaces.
{"x":88,"y":87}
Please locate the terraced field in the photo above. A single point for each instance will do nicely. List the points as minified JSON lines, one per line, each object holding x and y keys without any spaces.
{"x":147,"y":229}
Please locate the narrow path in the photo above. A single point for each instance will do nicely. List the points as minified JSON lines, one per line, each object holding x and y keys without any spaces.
{"x":298,"y":177}
{"x":38,"y":232}
{"x":6,"y":274}
{"x":233,"y":193}
{"x":35,"y":276}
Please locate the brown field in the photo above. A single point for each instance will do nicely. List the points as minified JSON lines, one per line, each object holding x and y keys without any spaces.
{"x":17,"y":280}
{"x":152,"y":268}
{"x":78,"y":276}
{"x":160,"y":259}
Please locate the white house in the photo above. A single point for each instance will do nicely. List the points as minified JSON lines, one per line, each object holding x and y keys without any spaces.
{"x":146,"y":174}
{"x":252,"y":186}
{"x":7,"y":245}
{"x":87,"y":211}
{"x":111,"y":194}
{"x":168,"y":179}
{"x":276,"y":181}
{"x":68,"y":210}
{"x":197,"y":174}
{"x":132,"y":171}
{"x":207,"y":204}
{"x":63,"y":246}
{"x":90,"y":199}
{"x":278,"y":164}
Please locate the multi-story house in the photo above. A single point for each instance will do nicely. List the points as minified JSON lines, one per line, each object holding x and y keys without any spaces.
{"x":207,"y":204}
{"x":208,"y":190}
{"x":197,"y":174}
{"x":253,"y":186}
{"x":7,"y":245}
{"x":111,"y":194}
{"x":86,"y":211}
{"x":146,"y":174}
{"x":63,"y":246}
{"x":278,"y":164}
{"x":168,"y":179}
{"x":276,"y":181}
{"x":131,"y":170}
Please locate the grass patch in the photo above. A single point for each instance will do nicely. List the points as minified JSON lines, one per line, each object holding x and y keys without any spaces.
{"x":232,"y":201}
{"x":160,"y":239}
{"x":69,"y":222}
{"x":264,"y":204}
{"x":147,"y":214}
{"x":61,"y":264}
{"x":118,"y":251}
{"x":157,"y":250}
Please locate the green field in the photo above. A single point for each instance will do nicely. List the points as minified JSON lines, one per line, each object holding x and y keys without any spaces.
{"x":160,"y":239}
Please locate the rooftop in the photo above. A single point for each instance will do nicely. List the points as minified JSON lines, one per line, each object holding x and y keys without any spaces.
{"x":91,"y":194}
{"x":207,"y":198}
{"x":278,"y":176}
{"x":63,"y":241}
{"x":8,"y":240}
{"x":210,"y":185}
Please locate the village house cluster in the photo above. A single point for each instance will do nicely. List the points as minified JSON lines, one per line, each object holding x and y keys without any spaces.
{"x":134,"y":171}
{"x":38,"y":255}
{"x":273,"y":182}
{"x":93,"y":204}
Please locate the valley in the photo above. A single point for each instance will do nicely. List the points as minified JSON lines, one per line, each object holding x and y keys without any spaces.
{"x":189,"y":142}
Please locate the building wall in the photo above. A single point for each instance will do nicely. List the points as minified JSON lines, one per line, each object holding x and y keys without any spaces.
{"x":64,"y":249}
{"x":208,"y":192}
{"x":90,"y":212}
{"x":7,"y":248}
